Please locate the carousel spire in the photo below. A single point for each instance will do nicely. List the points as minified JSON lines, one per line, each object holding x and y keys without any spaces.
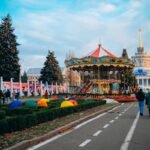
{"x":99,"y":45}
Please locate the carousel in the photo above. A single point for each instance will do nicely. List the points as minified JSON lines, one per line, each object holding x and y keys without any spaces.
{"x":102,"y":72}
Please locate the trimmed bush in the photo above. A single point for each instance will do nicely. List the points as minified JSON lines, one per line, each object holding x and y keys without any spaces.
{"x":16,"y":123}
{"x":54,"y":104}
{"x":2,"y":114}
{"x":27,"y":120}
{"x":31,"y":120}
{"x":19,"y":111}
{"x":3,"y":126}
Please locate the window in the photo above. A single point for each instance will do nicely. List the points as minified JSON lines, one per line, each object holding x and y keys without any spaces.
{"x":140,"y":81}
{"x":149,"y":82}
{"x":145,"y":82}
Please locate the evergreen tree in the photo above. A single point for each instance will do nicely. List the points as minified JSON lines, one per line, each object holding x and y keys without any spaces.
{"x":24,"y":78}
{"x":51,"y":71}
{"x":9,"y":60}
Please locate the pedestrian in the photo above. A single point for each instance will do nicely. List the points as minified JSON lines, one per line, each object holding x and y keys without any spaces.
{"x":1,"y":96}
{"x":140,"y":95}
{"x":7,"y":94}
{"x":148,"y":100}
{"x":46,"y":94}
{"x":17,"y":94}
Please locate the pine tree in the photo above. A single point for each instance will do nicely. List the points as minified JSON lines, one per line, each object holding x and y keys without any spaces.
{"x":9,"y":60}
{"x":51,"y":71}
{"x":24,"y":78}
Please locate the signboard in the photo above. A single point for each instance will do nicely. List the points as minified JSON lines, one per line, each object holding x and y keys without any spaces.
{"x":140,"y":72}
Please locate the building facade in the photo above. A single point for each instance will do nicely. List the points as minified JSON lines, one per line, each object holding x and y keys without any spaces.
{"x":33,"y":75}
{"x":141,"y":60}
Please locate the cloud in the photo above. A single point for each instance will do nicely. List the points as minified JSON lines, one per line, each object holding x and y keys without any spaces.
{"x":107,"y":8}
{"x":65,"y":28}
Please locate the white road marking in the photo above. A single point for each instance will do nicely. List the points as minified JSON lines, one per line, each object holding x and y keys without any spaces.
{"x":85,"y":143}
{"x":111,"y":121}
{"x":48,"y":141}
{"x":120,"y":114}
{"x":128,"y":138}
{"x":97,"y":133}
{"x":90,"y":120}
{"x":116,"y":118}
{"x":113,"y":109}
{"x":106,"y":125}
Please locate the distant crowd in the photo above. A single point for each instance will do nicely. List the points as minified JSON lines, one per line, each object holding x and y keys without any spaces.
{"x":5,"y":96}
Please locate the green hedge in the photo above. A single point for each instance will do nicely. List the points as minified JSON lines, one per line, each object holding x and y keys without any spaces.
{"x":20,"y":122}
{"x":2,"y":114}
{"x":19,"y":111}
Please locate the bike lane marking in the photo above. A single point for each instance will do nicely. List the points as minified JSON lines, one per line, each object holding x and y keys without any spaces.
{"x":85,"y":143}
{"x":128,"y":138}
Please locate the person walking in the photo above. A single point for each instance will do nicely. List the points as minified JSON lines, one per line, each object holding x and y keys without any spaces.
{"x":148,"y":100}
{"x":140,"y":95}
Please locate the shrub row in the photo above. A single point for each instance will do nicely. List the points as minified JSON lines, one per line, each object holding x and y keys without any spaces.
{"x":18,"y":111}
{"x":20,"y":122}
{"x":2,"y":114}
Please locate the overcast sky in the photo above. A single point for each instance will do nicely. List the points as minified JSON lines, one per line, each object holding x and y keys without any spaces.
{"x":76,"y":25}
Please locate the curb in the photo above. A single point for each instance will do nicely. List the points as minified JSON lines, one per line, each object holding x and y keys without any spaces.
{"x":29,"y":143}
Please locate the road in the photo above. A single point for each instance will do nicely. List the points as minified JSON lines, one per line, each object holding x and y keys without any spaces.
{"x":119,"y":129}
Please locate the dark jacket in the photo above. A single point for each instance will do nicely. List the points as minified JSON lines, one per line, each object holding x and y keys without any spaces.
{"x":148,"y":99}
{"x":140,"y":95}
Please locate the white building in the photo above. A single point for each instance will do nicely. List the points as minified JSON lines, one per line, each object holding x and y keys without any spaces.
{"x":141,"y":61}
{"x":33,"y":74}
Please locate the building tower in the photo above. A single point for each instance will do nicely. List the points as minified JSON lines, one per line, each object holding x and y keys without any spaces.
{"x":140,"y":49}
{"x":141,"y":61}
